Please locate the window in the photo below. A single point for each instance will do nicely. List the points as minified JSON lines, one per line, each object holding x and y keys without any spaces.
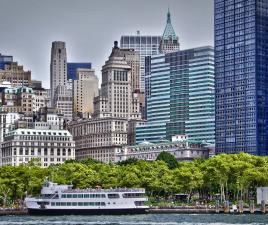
{"x":113,"y":195}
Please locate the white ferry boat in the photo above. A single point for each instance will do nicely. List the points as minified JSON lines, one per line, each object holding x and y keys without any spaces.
{"x":63,"y":199}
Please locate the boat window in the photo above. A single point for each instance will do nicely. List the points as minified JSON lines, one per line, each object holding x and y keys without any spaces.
{"x":113,"y":195}
{"x":63,"y":195}
{"x":63,"y":203}
{"x":57,"y":203}
{"x":102,"y":203}
{"x":69,"y":203}
{"x":86,"y":203}
{"x":80,"y":195}
{"x":69,"y":196}
{"x":80,"y":203}
{"x":91,"y":203}
{"x":97,"y":203}
{"x":86,"y":195}
{"x":103,"y":196}
{"x":52,"y":203}
{"x":133,"y":195}
{"x":74,"y":195}
{"x":74,"y":203}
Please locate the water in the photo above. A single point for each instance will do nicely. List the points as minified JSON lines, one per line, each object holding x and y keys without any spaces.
{"x":149,"y":219}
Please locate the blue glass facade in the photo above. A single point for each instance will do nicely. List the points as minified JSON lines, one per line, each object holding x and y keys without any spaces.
{"x":5,"y":60}
{"x":241,"y":76}
{"x":72,"y":67}
{"x":180,"y":96}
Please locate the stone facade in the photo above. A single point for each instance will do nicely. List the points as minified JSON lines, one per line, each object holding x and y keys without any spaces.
{"x":85,"y":88}
{"x":50,"y":146}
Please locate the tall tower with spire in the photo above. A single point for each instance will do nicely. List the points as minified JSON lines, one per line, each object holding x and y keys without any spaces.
{"x":170,"y":41}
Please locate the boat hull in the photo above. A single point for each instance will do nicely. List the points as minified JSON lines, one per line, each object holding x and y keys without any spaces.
{"x":86,"y":211}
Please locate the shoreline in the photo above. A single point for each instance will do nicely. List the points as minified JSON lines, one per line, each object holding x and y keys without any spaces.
{"x":158,"y":210}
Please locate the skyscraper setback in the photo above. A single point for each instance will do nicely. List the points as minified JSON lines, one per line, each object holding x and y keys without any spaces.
{"x":241,"y":66}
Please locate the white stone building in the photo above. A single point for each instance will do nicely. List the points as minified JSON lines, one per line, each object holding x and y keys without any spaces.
{"x":50,"y":146}
{"x":99,"y":138}
{"x":182,"y":151}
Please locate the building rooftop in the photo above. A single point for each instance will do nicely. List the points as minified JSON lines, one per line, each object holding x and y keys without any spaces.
{"x":169,"y":32}
{"x":60,"y":133}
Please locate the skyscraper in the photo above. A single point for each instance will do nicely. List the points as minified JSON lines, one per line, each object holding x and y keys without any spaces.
{"x":5,"y":60}
{"x":181,"y":96}
{"x":116,"y":98}
{"x":73,"y":67}
{"x":170,"y":41}
{"x":145,"y":46}
{"x":58,"y":67}
{"x":133,"y":60}
{"x":85,"y":88}
{"x":241,"y":66}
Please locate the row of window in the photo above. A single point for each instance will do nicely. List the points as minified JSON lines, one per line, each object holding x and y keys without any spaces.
{"x":83,"y":196}
{"x":77,"y":203}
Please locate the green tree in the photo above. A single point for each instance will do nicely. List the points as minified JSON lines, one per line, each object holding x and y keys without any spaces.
{"x":169,"y":159}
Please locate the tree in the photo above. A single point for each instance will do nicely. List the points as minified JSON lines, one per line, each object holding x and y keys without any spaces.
{"x":169,"y":159}
{"x":188,"y":178}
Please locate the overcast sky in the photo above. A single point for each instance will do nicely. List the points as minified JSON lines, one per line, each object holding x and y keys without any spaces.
{"x":89,"y":27}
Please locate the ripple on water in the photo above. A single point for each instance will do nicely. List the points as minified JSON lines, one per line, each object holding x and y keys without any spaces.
{"x":149,"y":219}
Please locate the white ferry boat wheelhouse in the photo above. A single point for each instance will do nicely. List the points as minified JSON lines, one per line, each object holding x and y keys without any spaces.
{"x":63,"y":199}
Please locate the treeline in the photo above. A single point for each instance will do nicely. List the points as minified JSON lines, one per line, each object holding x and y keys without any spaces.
{"x":232,"y":177}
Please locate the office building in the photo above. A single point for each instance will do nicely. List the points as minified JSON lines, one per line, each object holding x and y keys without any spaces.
{"x":145,"y":46}
{"x":63,"y":101}
{"x":58,"y":67}
{"x":18,"y":100}
{"x":241,"y":66}
{"x":50,"y":146}
{"x":170,"y":41}
{"x":73,"y":67}
{"x":85,"y":88}
{"x":133,"y":60}
{"x":15,"y":74}
{"x":36,"y":84}
{"x":200,"y":125}
{"x":5,"y":60}
{"x":40,"y":98}
{"x":182,"y":151}
{"x":116,"y":98}
{"x":99,"y":138}
{"x":181,"y":96}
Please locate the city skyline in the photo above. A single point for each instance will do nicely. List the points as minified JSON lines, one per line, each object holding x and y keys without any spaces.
{"x":82,"y":24}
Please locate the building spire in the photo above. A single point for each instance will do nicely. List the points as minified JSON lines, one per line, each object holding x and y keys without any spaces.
{"x":168,"y":16}
{"x":170,"y":41}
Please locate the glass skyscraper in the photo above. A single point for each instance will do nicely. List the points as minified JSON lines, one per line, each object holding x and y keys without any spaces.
{"x":241,"y":76}
{"x":181,"y":96}
{"x":145,"y":46}
{"x":72,"y":69}
{"x":5,"y":60}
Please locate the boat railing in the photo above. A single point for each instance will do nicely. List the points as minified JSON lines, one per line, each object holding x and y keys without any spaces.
{"x":88,"y":190}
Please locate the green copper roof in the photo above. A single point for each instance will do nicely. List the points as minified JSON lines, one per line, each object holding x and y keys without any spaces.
{"x":169,"y":32}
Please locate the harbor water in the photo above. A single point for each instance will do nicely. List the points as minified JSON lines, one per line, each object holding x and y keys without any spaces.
{"x":145,"y":219}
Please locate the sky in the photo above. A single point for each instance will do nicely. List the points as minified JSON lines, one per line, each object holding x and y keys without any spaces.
{"x":89,"y":28}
